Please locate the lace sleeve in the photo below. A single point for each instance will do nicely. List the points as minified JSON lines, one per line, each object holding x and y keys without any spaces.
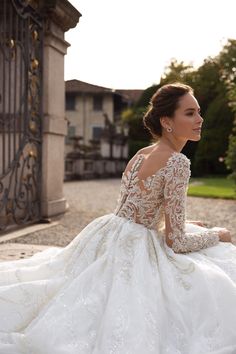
{"x":176,"y":183}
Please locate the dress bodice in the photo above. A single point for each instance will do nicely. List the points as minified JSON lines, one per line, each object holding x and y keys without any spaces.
{"x":161,"y":198}
{"x":142,"y":201}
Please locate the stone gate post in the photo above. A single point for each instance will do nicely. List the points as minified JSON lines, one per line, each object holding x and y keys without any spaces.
{"x":60,"y":16}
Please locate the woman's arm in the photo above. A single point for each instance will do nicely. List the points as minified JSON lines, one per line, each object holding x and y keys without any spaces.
{"x":196,"y":222}
{"x":176,"y":182}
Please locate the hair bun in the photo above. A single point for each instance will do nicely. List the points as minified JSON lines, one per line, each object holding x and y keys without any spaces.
{"x":151,"y":122}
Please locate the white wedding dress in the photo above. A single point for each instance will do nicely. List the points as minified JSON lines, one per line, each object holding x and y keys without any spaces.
{"x":117,"y":288}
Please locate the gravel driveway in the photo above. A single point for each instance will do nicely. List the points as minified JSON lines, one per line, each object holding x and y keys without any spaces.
{"x":90,"y":199}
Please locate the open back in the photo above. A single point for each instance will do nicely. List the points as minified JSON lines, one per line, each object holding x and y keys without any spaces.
{"x":160,"y":198}
{"x":141,"y":196}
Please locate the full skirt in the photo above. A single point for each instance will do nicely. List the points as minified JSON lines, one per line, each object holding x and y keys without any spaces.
{"x":117,"y":288}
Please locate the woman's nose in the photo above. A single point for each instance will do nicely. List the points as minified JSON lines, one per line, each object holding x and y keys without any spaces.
{"x":200,"y":118}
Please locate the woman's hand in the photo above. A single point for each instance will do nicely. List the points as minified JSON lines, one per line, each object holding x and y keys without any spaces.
{"x":224,"y":235}
{"x":196,"y":222}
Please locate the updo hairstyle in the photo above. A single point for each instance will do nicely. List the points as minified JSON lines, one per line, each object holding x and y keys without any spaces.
{"x":163,"y":103}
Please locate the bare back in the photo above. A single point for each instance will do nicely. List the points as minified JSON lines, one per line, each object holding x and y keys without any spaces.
{"x":155,"y":158}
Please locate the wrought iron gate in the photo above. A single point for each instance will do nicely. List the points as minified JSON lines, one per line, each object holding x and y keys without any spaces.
{"x":21,"y":54}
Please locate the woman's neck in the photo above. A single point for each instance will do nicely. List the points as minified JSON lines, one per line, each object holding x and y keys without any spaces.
{"x":171,"y":143}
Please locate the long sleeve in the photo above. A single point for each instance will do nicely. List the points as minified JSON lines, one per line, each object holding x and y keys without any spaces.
{"x":176,"y":183}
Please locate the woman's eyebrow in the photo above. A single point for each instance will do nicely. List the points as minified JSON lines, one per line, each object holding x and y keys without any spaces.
{"x":192,"y":109}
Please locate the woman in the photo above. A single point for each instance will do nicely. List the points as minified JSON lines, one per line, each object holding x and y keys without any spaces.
{"x":125,"y":284}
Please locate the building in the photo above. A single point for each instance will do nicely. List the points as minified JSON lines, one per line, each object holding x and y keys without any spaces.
{"x":96,"y":143}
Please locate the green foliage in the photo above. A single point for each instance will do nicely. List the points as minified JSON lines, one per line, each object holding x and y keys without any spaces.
{"x":228,"y":75}
{"x":134,"y":118}
{"x":177,"y":72}
{"x":214,"y":84}
{"x":138,"y":135}
{"x":214,"y":140}
{"x":126,"y":115}
{"x":135,"y":145}
{"x":146,"y":96}
{"x":231,"y":157}
{"x":207,"y":84}
{"x":227,"y":63}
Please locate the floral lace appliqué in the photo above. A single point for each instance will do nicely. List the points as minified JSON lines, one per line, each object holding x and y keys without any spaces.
{"x":160,"y":195}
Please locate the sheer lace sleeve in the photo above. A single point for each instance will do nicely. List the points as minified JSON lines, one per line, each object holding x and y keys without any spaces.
{"x":176,"y":183}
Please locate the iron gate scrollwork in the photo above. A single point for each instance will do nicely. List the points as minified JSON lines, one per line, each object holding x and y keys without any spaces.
{"x":21,"y":54}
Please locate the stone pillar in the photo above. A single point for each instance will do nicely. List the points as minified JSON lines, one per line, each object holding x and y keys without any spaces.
{"x":60,"y":16}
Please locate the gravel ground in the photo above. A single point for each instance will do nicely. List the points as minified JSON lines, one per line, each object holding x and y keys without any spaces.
{"x":90,"y":199}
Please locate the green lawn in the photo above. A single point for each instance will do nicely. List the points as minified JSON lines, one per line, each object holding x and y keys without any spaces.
{"x":212,"y":187}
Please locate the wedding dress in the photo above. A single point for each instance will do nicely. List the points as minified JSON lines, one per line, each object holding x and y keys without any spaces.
{"x":118,"y":288}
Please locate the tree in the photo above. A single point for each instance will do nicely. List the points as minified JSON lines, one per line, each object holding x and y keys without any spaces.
{"x":213,"y":144}
{"x":146,"y":96}
{"x":216,"y":80}
{"x":231,"y":156}
{"x":207,"y":84}
{"x":228,"y":75}
{"x":177,"y":72}
{"x":213,"y":96}
{"x":230,"y":160}
{"x":138,"y":136}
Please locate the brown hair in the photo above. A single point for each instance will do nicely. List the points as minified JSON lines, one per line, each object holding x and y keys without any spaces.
{"x":164,"y":103}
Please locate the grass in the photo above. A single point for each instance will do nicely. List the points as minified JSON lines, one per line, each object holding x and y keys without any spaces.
{"x":212,"y":187}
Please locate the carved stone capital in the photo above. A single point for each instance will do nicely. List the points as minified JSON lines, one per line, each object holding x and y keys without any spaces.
{"x":61,"y":12}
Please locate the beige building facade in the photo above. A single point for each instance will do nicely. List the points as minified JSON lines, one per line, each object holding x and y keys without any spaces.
{"x":88,"y":106}
{"x":85,"y":114}
{"x":97,"y":142}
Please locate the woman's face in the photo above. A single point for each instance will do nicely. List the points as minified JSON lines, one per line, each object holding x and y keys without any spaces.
{"x":187,"y":121}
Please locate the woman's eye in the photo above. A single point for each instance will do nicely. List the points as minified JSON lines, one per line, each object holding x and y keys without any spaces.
{"x":190,"y":114}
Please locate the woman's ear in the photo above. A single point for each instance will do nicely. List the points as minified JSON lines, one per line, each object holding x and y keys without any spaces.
{"x":165,"y":122}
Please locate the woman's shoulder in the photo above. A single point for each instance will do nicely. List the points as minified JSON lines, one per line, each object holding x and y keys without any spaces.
{"x":146,"y":150}
{"x":165,"y":155}
{"x":155,"y":159}
{"x":178,"y":165}
{"x":140,"y":153}
{"x":179,"y":157}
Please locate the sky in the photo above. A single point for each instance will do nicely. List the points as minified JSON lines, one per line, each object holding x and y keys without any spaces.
{"x":127,"y":44}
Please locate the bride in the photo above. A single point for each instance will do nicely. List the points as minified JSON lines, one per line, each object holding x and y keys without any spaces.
{"x":139,"y":280}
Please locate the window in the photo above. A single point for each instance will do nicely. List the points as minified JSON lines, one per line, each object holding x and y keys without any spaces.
{"x":97,"y":102}
{"x":71,"y":130}
{"x":70,"y":102}
{"x":70,"y":133}
{"x":97,"y":132}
